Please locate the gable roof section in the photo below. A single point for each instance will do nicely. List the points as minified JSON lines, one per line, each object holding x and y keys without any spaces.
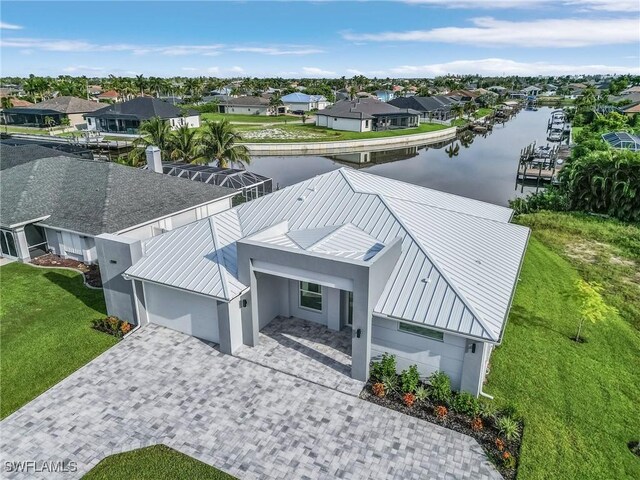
{"x":363,"y":108}
{"x":67,"y":105}
{"x":457,"y":271}
{"x":141,"y":108}
{"x":94,"y":197}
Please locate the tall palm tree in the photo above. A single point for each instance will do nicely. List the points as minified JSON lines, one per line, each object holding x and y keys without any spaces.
{"x":275,"y":102}
{"x":457,"y":110}
{"x":141,"y":83}
{"x":184,"y":145}
{"x":154,"y":132}
{"x":219,"y":142}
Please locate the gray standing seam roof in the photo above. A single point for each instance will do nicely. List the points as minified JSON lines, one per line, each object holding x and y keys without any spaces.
{"x":457,"y":272}
{"x":94,"y":197}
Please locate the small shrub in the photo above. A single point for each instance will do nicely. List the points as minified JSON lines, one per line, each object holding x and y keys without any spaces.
{"x":390,"y":382}
{"x":466,"y":404}
{"x":508,"y":460}
{"x":499,"y":444}
{"x":378,"y":389}
{"x":476,"y":424}
{"x":511,"y":410}
{"x":487,"y":410}
{"x":409,"y":399}
{"x":441,"y":411}
{"x":386,"y":367}
{"x":508,"y":427}
{"x":440,"y":387}
{"x":125,"y":328}
{"x":421,"y":394}
{"x":410,"y":379}
{"x":111,"y":325}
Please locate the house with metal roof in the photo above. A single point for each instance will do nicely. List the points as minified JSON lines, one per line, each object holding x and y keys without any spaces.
{"x":419,"y":273}
{"x":622,"y":140}
{"x":126,"y":117}
{"x":365,"y":115}
{"x":299,"y":101}
{"x":54,"y":201}
{"x":52,"y":112}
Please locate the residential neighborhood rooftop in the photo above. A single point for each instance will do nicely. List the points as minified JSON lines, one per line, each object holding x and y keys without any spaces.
{"x":141,"y":108}
{"x":363,"y":108}
{"x":65,"y":105}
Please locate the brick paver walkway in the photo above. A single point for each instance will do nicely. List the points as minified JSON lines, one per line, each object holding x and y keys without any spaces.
{"x":160,"y":386}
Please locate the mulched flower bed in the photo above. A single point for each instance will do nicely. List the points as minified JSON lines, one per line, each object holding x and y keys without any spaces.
{"x":425,"y":410}
{"x":91,"y":272}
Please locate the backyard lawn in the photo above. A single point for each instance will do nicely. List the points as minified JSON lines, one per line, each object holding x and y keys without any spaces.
{"x":45,"y":330}
{"x":482,"y":112}
{"x":310,"y":133}
{"x":158,"y":462}
{"x":579,"y":401}
{"x":250,"y":118}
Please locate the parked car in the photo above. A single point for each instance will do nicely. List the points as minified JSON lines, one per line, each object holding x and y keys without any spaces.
{"x":298,"y":112}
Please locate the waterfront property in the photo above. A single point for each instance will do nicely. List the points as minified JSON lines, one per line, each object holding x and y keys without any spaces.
{"x":436,"y":107}
{"x":622,"y":140}
{"x":55,"y":201}
{"x":366,"y":115}
{"x":126,"y":117}
{"x":52,"y":112}
{"x":298,"y":101}
{"x":251,"y":105}
{"x":346,"y":250}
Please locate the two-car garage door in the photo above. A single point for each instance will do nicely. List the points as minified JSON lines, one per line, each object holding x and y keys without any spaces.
{"x":182,"y":311}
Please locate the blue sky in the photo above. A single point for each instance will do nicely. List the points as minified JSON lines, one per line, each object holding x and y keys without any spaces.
{"x":320,"y":38}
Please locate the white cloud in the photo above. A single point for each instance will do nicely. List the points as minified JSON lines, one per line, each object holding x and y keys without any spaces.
{"x":236,"y":69}
{"x":487,"y":31}
{"x":316,"y":72}
{"x":77,"y":69}
{"x":600,"y":5}
{"x":501,"y":66}
{"x":10,"y":26}
{"x":277,"y":50}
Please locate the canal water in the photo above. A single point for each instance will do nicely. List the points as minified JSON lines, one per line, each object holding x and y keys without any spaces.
{"x":484,"y":167}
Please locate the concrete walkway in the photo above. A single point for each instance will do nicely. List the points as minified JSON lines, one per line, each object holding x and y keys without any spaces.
{"x":160,"y":386}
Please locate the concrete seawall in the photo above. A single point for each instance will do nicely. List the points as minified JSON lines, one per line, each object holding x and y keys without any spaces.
{"x":346,"y":146}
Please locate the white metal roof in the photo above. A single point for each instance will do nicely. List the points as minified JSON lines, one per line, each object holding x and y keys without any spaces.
{"x":457,"y":271}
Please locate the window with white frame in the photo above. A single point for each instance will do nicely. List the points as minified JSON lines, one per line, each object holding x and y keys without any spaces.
{"x":311,"y":296}
{"x":422,"y":331}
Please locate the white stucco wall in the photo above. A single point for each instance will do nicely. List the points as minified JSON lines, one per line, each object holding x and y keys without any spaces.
{"x":428,"y":354}
{"x":182,"y":311}
{"x":330,"y":314}
{"x":346,"y":124}
{"x":239,"y":110}
{"x":71,"y":245}
{"x":193,"y":121}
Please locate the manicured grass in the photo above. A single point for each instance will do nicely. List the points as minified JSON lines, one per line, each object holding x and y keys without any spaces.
{"x":579,"y":401}
{"x":482,"y":112}
{"x":250,"y":118}
{"x":158,"y":462}
{"x":32,"y":130}
{"x":322,"y":134}
{"x":45,"y":330}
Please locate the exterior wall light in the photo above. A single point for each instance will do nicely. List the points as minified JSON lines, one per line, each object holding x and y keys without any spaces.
{"x":358,"y":332}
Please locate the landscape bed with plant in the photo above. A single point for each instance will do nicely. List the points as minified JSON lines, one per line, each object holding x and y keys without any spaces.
{"x":498,"y":432}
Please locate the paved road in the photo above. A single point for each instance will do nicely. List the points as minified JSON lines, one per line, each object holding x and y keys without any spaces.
{"x":160,"y":386}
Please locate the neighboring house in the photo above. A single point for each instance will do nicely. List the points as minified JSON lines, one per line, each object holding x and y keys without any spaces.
{"x":94,"y":90}
{"x":436,"y":107}
{"x":250,"y":105}
{"x":54,"y":201}
{"x":110,"y":96}
{"x":384,"y":95}
{"x":18,"y":102}
{"x":301,"y":101}
{"x":632,"y":109}
{"x":126,"y":117}
{"x":532,"y":91}
{"x":366,"y":115}
{"x":249,"y":184}
{"x":58,"y":108}
{"x":498,"y":89}
{"x":422,"y":274}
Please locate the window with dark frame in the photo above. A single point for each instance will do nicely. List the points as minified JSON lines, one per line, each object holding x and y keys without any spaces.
{"x":311,"y":296}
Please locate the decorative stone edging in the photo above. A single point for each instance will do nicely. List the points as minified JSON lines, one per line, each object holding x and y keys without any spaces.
{"x":84,"y":279}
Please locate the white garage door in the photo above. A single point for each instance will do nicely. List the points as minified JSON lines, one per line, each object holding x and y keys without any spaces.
{"x":182,"y":311}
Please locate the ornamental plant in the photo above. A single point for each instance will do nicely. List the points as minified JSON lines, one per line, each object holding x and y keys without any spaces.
{"x":466,"y":403}
{"x":499,"y":444}
{"x":378,"y":389}
{"x":410,"y":379}
{"x":409,"y":399}
{"x":508,"y":460}
{"x":386,"y":367}
{"x":390,"y":382}
{"x":476,"y":424}
{"x":125,"y":328}
{"x":441,"y":412}
{"x":508,"y":427}
{"x":421,"y":394}
{"x":440,"y":387}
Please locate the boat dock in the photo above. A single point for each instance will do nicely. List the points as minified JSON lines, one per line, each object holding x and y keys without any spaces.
{"x":540,"y":164}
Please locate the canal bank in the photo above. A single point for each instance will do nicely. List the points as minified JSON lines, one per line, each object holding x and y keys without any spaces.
{"x":351,"y":146}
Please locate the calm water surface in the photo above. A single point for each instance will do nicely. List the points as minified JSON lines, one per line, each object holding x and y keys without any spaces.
{"x":485,"y":170}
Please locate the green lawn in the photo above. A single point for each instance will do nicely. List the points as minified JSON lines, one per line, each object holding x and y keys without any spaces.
{"x":45,"y":332}
{"x":31,"y":130}
{"x":158,"y":462}
{"x":579,"y":401}
{"x":482,"y":112}
{"x":250,"y":118}
{"x":310,"y":133}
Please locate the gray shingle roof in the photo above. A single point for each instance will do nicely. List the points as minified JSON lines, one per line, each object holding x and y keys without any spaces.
{"x":362,"y":108}
{"x":141,"y":108}
{"x":67,"y":105}
{"x":248,"y":101}
{"x":94,"y":197}
{"x":424,"y":104}
{"x":11,"y":156}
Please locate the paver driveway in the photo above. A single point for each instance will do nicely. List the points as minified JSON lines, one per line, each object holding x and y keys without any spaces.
{"x":160,"y":386}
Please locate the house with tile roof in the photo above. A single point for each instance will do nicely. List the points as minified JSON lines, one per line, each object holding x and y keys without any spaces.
{"x":54,"y":110}
{"x":419,"y":273}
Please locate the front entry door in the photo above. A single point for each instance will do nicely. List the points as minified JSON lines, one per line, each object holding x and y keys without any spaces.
{"x":346,"y":308}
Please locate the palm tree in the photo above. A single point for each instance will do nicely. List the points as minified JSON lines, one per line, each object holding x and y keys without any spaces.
{"x":154,"y":132}
{"x":184,"y":145}
{"x":219,"y":142}
{"x":140,"y":82}
{"x":275,"y":101}
{"x":457,"y":110}
{"x":6,"y":103}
